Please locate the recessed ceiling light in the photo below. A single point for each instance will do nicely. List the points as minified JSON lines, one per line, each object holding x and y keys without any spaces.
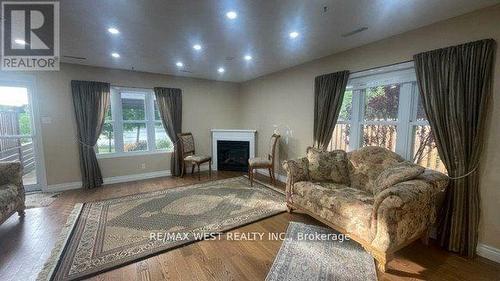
{"x":113,"y":30}
{"x":115,"y":55}
{"x":179,"y":64}
{"x":247,"y":57}
{"x":221,"y":70}
{"x":293,"y":34}
{"x":231,"y":15}
{"x":197,"y":47}
{"x":20,"y":42}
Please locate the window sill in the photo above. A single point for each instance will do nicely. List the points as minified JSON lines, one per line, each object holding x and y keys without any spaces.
{"x":132,"y":154}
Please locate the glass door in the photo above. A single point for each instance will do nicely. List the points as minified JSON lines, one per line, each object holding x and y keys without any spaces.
{"x":17,"y":134}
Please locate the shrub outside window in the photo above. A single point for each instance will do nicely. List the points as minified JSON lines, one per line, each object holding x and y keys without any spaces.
{"x":132,"y":124}
{"x":382,"y":107}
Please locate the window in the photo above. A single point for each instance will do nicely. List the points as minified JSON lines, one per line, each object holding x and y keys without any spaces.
{"x":106,"y":141}
{"x":132,"y":124}
{"x":381,"y":107}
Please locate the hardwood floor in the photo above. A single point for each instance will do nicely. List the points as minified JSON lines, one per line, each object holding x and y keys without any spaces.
{"x":25,"y":246}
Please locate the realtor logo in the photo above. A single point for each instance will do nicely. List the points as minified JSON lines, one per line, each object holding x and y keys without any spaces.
{"x":30,"y":36}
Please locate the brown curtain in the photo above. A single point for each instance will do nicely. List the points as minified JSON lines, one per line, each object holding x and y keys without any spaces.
{"x":328,"y":95}
{"x":170,"y":106}
{"x":90,"y":100}
{"x":455,"y":88}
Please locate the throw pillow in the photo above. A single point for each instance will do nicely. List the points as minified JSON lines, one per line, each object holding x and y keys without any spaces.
{"x":395,"y":174}
{"x":297,"y":169}
{"x":328,"y":166}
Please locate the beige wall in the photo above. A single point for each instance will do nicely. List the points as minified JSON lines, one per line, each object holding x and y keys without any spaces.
{"x":286,"y":98}
{"x":206,"y":105}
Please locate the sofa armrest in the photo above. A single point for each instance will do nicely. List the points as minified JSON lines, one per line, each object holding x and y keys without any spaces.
{"x":429,"y":181}
{"x":402,"y":212}
{"x":11,"y":172}
{"x":437,"y":179}
{"x":297,"y":170}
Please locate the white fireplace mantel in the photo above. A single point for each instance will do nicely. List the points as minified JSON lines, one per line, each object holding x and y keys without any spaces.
{"x":232,"y":135}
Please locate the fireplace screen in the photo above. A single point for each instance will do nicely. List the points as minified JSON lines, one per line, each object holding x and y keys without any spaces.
{"x":233,"y":155}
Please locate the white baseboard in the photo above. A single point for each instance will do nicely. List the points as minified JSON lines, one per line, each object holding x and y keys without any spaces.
{"x":109,"y":180}
{"x":63,"y":186}
{"x":281,"y":178}
{"x":136,"y":177}
{"x":488,"y":252}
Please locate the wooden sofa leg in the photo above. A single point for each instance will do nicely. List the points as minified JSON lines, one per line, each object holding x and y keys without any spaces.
{"x":289,"y":208}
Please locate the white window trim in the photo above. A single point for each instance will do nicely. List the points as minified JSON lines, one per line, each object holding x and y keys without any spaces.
{"x":407,"y":108}
{"x":117,"y":123}
{"x":131,"y":154}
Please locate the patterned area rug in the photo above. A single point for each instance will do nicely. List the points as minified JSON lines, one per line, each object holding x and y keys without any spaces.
{"x":39,"y":199}
{"x":111,"y":233}
{"x":304,"y":255}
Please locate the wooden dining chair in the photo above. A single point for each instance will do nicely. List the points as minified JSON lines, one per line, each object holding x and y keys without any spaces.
{"x":189,"y":156}
{"x":264,"y":162}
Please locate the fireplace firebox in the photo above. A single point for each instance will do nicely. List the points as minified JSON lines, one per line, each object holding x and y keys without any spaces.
{"x":233,"y":155}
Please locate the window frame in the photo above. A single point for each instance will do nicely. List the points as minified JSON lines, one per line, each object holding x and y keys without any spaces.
{"x":403,"y":74}
{"x":117,"y":123}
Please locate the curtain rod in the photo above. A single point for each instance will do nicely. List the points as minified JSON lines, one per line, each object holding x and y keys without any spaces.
{"x":368,"y":69}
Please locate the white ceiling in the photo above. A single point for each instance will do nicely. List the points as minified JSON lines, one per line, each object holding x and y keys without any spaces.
{"x":155,"y":34}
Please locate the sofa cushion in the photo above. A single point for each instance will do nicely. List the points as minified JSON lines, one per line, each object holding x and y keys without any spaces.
{"x":321,"y":189}
{"x":328,"y":165}
{"x":395,"y":174}
{"x":346,"y":207}
{"x":366,"y":164}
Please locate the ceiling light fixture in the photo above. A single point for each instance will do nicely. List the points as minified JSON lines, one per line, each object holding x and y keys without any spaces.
{"x":197,"y":47}
{"x":231,"y":15}
{"x":113,"y":30}
{"x":248,"y":57}
{"x":293,"y":34}
{"x":20,"y":42}
{"x":179,"y":64}
{"x":221,"y":70}
{"x":115,"y":55}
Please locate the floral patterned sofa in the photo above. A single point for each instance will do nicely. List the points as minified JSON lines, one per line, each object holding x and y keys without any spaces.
{"x":11,"y":190}
{"x":374,"y":195}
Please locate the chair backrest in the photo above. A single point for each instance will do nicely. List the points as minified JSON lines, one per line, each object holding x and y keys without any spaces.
{"x":273,"y":142}
{"x":187,"y":143}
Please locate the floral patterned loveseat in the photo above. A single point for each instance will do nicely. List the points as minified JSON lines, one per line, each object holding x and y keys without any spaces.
{"x":382,"y":201}
{"x":11,"y":190}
